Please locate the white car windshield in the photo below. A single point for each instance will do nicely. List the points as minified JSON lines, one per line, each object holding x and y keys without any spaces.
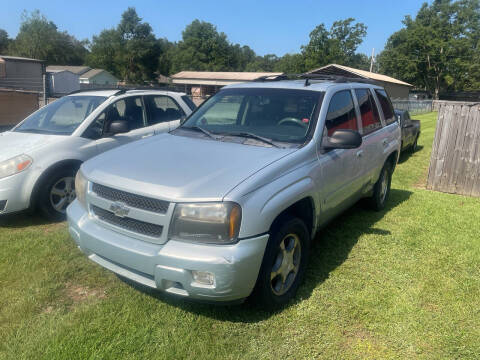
{"x":62,"y":116}
{"x":276,"y":115}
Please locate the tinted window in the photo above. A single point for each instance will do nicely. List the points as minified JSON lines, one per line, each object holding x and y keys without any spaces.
{"x":341,"y":113}
{"x":368,"y":111}
{"x":279,"y":114}
{"x":386,"y":105}
{"x":62,"y":116}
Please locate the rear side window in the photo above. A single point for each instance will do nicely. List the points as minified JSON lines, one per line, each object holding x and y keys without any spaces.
{"x":368,"y":111}
{"x":162,"y":108}
{"x":341,"y":113}
{"x":386,"y":105}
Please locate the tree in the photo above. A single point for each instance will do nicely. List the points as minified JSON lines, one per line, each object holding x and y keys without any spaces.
{"x":291,"y":64}
{"x":338,"y":45}
{"x":129,"y":51}
{"x":4,"y":42}
{"x":439,"y":49}
{"x":39,"y":38}
{"x":203,"y":48}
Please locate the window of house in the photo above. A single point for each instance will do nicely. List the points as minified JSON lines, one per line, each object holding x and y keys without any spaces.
{"x":386,"y":105}
{"x":341,"y":113}
{"x":368,"y":111}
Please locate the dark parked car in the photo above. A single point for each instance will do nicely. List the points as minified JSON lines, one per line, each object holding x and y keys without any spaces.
{"x":410,"y":130}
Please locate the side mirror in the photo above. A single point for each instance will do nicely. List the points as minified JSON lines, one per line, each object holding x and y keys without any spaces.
{"x":342,"y":139}
{"x":118,"y":127}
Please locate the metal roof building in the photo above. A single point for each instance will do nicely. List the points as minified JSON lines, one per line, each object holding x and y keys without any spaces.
{"x":397,"y":89}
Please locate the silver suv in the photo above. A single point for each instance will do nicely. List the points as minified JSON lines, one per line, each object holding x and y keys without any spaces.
{"x":226,"y":205}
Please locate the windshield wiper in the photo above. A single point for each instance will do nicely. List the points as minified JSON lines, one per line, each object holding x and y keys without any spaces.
{"x":202,"y":130}
{"x":253,"y":136}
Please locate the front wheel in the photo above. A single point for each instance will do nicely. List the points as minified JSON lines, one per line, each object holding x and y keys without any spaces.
{"x":414,"y":147}
{"x":381,"y":190}
{"x":284,"y":263}
{"x":56,"y":193}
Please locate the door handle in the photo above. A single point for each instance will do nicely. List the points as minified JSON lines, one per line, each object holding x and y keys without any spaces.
{"x":359,"y":153}
{"x":385,"y":142}
{"x":147,"y":135}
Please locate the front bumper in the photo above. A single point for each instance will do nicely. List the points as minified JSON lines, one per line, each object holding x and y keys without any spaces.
{"x":169,"y":267}
{"x":12,"y":194}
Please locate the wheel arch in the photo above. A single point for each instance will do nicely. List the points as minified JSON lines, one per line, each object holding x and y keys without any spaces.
{"x":303,"y":209}
{"x":69,"y":163}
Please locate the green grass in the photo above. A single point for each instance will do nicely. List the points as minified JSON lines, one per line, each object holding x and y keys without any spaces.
{"x":400,"y":284}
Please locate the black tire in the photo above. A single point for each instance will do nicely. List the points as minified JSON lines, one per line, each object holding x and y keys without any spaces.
{"x":380,"y":193}
{"x":46,"y":199}
{"x":414,"y":146}
{"x":288,"y":230}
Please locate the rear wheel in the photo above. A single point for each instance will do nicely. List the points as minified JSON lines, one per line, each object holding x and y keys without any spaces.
{"x":414,"y":147}
{"x":284,"y":263}
{"x":56,"y":193}
{"x":381,"y":190}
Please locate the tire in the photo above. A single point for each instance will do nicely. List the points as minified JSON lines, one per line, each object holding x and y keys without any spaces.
{"x":56,"y":193}
{"x":414,"y":147}
{"x":284,"y":264}
{"x":381,"y":190}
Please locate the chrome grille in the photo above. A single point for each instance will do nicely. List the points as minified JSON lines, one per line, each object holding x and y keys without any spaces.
{"x":126,"y":223}
{"x":133,"y":200}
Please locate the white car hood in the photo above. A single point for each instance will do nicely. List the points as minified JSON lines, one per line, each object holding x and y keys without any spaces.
{"x":16,"y":143}
{"x":178,"y":168}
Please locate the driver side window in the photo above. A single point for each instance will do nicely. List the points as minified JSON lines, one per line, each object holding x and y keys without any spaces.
{"x":341,"y":113}
{"x":128,"y":109}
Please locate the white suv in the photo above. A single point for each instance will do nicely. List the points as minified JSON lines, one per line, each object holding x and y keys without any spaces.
{"x":41,"y":155}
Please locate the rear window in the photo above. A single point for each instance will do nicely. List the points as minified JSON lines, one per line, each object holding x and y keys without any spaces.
{"x":386,"y":105}
{"x":368,"y":111}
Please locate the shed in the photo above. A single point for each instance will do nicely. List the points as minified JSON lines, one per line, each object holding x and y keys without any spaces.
{"x":21,"y":73}
{"x":98,"y":77}
{"x":62,"y":82}
{"x":205,"y":83}
{"x":395,"y":88}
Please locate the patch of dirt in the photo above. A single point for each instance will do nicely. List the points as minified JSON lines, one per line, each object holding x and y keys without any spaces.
{"x":80,"y":294}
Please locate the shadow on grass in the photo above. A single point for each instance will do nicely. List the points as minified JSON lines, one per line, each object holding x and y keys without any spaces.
{"x":330,"y":249}
{"x":22,"y":220}
{"x":405,"y":155}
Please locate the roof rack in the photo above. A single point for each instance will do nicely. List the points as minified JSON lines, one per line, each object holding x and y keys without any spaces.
{"x":271,"y":78}
{"x":335,"y":79}
{"x":118,"y":91}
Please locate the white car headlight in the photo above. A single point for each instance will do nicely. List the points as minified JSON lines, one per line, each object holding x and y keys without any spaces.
{"x":213,"y":223}
{"x":15,"y":165}
{"x":81,"y":188}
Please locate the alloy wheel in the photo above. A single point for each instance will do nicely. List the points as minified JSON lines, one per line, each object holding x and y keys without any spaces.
{"x":62,"y":194}
{"x":286,"y":265}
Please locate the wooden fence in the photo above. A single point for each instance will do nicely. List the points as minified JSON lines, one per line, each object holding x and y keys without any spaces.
{"x":455,"y":161}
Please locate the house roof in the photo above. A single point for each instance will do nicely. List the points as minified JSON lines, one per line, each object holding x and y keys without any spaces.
{"x":227,"y":75}
{"x":217,"y":78}
{"x":17,"y":58}
{"x":79,"y":70}
{"x":335,"y":69}
{"x":92,"y":73}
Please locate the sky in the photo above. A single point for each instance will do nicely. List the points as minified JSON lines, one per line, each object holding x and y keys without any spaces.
{"x":268,"y":27}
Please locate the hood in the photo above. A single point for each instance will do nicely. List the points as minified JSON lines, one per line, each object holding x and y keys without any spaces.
{"x":17,"y":143}
{"x":178,"y":168}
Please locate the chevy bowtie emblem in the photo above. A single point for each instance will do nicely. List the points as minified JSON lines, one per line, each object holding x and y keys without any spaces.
{"x":120,"y":209}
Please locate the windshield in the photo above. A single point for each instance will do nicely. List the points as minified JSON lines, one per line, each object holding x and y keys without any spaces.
{"x":283,"y":115}
{"x":62,"y":116}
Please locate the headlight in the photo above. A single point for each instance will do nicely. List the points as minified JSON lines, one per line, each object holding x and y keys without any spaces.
{"x":214,"y":223}
{"x":81,"y":188}
{"x":15,"y":165}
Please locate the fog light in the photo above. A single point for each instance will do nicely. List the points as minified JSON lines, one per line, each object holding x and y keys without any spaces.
{"x":203,"y":277}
